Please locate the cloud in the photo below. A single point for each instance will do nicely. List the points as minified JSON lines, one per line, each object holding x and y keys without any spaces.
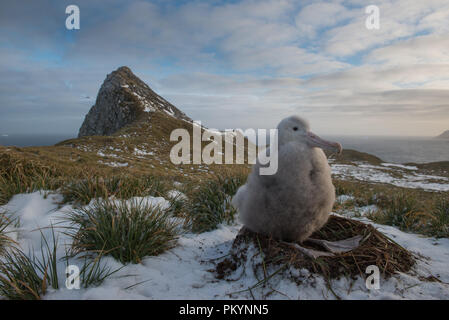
{"x":314,"y":17}
{"x":428,"y":49}
{"x":233,"y":64}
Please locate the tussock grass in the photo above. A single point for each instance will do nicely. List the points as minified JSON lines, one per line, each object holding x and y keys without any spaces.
{"x":439,"y":225}
{"x":210,"y":203}
{"x":209,"y":207}
{"x":48,"y":264}
{"x":126,"y":230}
{"x":414,"y":210}
{"x":122,"y":187}
{"x":21,"y":176}
{"x":20,"y":276}
{"x":400,"y":210}
{"x":5,"y":223}
{"x":25,"y":277}
{"x":177,"y":205}
{"x":342,"y":188}
{"x":231,"y":182}
{"x":28,"y":277}
{"x":93,"y":272}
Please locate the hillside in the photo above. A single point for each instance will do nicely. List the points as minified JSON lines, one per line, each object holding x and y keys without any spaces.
{"x":128,"y":129}
{"x":444,"y":135}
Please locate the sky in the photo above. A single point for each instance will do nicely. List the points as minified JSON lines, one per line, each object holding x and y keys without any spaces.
{"x":232,"y":64}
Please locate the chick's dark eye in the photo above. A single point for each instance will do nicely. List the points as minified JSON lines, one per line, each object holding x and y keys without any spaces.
{"x":295,"y":128}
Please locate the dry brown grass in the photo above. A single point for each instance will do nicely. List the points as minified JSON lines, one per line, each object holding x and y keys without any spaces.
{"x":71,"y":162}
{"x":81,"y":158}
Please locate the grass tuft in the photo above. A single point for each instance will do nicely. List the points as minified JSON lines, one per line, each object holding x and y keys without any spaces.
{"x":22,"y":176}
{"x":123,"y":187}
{"x":230,"y":183}
{"x":126,"y":230}
{"x":400,"y":210}
{"x":210,"y":203}
{"x":5,"y":223}
{"x":21,"y":277}
{"x":93,"y":273}
{"x":48,"y":265}
{"x":439,"y":225}
{"x":178,"y":204}
{"x":417,"y":211}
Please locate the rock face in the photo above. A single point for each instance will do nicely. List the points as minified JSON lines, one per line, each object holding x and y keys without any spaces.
{"x":444,"y":135}
{"x":122,"y":99}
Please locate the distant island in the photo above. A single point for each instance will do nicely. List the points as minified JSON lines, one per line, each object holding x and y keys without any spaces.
{"x":444,"y":135}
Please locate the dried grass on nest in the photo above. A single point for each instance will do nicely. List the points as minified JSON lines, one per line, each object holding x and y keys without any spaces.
{"x":374,"y":249}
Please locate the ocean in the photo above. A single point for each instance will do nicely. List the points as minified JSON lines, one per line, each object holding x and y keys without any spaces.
{"x":389,"y":149}
{"x":398,"y":149}
{"x":32,"y":140}
{"x":395,"y":149}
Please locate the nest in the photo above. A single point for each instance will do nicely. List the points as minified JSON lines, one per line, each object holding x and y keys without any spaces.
{"x":374,"y":249}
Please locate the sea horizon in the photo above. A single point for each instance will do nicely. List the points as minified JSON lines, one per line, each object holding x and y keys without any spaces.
{"x":394,"y":149}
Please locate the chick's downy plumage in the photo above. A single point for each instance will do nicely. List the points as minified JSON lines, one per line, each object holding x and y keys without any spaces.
{"x":295,"y":201}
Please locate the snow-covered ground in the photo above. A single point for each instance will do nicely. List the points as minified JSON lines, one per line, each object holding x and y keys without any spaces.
{"x":114,"y":164}
{"x":184,"y":271}
{"x":394,"y":174}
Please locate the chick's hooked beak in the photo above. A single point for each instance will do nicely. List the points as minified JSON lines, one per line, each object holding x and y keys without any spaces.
{"x":316,"y":141}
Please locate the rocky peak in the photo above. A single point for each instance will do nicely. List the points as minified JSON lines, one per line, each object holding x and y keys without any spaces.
{"x":122,"y":99}
{"x":444,"y":135}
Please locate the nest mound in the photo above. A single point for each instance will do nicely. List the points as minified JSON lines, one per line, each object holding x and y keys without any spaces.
{"x":374,"y":249}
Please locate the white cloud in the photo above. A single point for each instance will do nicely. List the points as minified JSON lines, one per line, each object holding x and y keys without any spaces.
{"x":316,"y":16}
{"x":430,"y":49}
{"x":247,"y":63}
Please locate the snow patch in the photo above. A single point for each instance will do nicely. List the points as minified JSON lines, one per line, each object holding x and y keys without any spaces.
{"x":400,"y":166}
{"x":114,"y":164}
{"x":370,"y":173}
{"x":184,"y":271}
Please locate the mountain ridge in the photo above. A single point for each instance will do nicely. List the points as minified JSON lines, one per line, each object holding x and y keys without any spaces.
{"x":123,"y":99}
{"x":444,"y":135}
{"x":140,"y":144}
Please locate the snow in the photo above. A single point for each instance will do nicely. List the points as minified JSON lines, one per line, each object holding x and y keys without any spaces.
{"x":399,"y":166}
{"x":114,"y":164}
{"x":100,"y":153}
{"x":173,"y":194}
{"x":370,"y":173}
{"x":114,"y":149}
{"x":148,"y":105}
{"x":183,"y":272}
{"x":343,"y":198}
{"x":168,"y":111}
{"x":145,"y":201}
{"x":366,"y":209}
{"x":177,"y":184}
{"x":140,"y":152}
